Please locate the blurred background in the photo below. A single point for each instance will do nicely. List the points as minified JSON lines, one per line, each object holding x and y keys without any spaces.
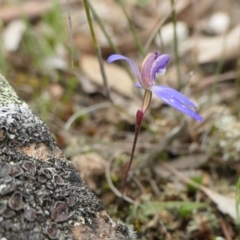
{"x":184,"y":180}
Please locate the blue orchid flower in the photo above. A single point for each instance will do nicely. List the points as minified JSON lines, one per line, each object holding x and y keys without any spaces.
{"x":155,"y":63}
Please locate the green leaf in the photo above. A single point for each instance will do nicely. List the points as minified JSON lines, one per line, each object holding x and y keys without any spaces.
{"x":183,"y":208}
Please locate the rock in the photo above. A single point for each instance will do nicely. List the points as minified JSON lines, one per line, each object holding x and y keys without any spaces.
{"x":42,"y":195}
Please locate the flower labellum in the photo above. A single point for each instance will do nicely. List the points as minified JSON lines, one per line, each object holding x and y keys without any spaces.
{"x":155,"y":63}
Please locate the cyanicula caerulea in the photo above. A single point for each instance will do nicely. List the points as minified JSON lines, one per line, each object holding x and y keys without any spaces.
{"x":155,"y":63}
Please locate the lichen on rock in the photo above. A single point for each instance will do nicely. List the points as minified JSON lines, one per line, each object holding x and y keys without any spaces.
{"x":41,"y":194}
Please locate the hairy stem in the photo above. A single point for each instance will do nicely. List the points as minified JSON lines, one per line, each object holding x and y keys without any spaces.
{"x":139,"y":118}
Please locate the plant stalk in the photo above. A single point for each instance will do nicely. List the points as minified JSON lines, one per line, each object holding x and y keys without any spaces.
{"x":132,"y":29}
{"x":139,"y":118}
{"x":97,"y":49}
{"x":174,"y":19}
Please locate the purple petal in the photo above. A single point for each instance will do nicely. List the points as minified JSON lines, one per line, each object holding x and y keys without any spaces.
{"x":146,"y":68}
{"x":132,"y":64}
{"x":172,"y":93}
{"x":159,"y":66}
{"x":177,"y":100}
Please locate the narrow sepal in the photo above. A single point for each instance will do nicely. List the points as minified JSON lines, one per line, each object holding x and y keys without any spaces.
{"x":132,"y":64}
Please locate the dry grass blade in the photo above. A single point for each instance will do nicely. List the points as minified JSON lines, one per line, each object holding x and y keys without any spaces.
{"x":85,"y":111}
{"x":97,"y":50}
{"x":115,"y":190}
{"x":224,"y":204}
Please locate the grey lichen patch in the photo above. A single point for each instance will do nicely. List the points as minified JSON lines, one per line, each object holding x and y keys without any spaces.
{"x":71,"y":201}
{"x":48,"y":207}
{"x":122,"y":229}
{"x":7,"y":94}
{"x":29,"y":166}
{"x":58,"y":180}
{"x":16,"y":202}
{"x":16,"y":170}
{"x":60,"y":212}
{"x":41,"y":203}
{"x":41,"y":199}
{"x":30,"y":214}
{"x":43,"y":175}
{"x":34,"y":192}
{"x":52,"y":231}
{"x":8,"y":213}
{"x":62,"y":204}
{"x":6,"y":188}
{"x":5,"y":169}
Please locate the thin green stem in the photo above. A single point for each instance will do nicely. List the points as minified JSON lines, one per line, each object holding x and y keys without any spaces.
{"x":174,"y":19}
{"x":221,"y":61}
{"x":97,"y":49}
{"x":161,"y":41}
{"x":132,"y":29}
{"x":218,"y":71}
{"x":70,"y":32}
{"x":99,"y":22}
{"x":161,"y":21}
{"x":110,"y":42}
{"x":86,"y":7}
{"x":237,"y":78}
